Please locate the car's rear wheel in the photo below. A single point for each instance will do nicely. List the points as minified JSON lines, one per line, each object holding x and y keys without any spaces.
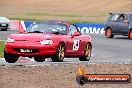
{"x":108,"y":33}
{"x":60,"y":53}
{"x":87,"y":53}
{"x":39,"y":59}
{"x":130,"y":34}
{"x":10,"y":58}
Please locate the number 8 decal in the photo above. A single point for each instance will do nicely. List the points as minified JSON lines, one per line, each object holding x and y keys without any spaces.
{"x":76,"y":45}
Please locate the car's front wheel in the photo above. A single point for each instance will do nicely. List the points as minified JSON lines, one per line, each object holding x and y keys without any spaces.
{"x":39,"y":59}
{"x":60,"y":53}
{"x":108,"y":33}
{"x":10,"y":58}
{"x":87,"y":53}
{"x":130,"y":35}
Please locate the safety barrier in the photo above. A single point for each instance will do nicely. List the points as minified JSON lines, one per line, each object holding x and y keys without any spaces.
{"x":83,"y":27}
{"x":91,"y":28}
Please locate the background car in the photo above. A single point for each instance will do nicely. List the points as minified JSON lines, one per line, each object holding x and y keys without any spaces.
{"x":4,"y":23}
{"x":54,"y":39}
{"x":119,"y":24}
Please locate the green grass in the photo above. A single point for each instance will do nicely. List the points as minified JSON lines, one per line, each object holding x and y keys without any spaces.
{"x":69,"y":17}
{"x":53,"y":14}
{"x":38,"y":19}
{"x":2,"y":44}
{"x":65,"y":15}
{"x":80,"y":21}
{"x":24,"y":18}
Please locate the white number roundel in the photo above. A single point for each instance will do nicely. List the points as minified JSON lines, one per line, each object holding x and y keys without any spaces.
{"x":76,"y":45}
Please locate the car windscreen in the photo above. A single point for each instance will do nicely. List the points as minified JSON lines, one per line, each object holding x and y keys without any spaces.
{"x":113,"y":17}
{"x":130,"y":17}
{"x":4,"y":19}
{"x":53,"y":28}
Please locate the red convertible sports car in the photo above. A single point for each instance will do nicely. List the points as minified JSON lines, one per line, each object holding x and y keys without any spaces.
{"x":48,"y":39}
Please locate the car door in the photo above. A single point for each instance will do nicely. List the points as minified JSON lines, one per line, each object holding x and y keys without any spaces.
{"x":123,"y":26}
{"x":113,"y":22}
{"x":73,"y":42}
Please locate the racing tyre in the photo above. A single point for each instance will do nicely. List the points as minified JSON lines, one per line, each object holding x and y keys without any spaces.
{"x":81,"y":80}
{"x":108,"y":33}
{"x":39,"y":59}
{"x":130,"y":35}
{"x":10,"y":58}
{"x":87,"y":53}
{"x":60,"y":53}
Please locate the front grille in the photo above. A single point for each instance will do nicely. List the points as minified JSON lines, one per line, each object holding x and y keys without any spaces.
{"x":27,"y":50}
{"x":4,"y":25}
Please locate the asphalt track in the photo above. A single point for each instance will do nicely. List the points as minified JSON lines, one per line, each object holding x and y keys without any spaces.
{"x":116,"y":50}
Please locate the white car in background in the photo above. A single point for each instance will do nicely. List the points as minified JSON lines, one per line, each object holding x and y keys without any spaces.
{"x":4,"y":23}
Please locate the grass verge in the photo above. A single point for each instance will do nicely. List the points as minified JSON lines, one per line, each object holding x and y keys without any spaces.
{"x":23,"y":18}
{"x":91,"y":18}
{"x":2,"y":44}
{"x":39,"y":19}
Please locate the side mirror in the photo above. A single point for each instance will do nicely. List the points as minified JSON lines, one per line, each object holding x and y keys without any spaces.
{"x":75,"y":34}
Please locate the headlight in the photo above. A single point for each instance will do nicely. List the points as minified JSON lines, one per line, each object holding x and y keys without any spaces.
{"x":10,"y":40}
{"x":45,"y":42}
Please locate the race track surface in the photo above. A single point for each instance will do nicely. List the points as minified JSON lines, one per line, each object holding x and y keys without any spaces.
{"x":116,"y":50}
{"x":4,"y":34}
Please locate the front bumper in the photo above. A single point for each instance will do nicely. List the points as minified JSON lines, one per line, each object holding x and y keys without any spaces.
{"x":36,"y":49}
{"x":5,"y":26}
